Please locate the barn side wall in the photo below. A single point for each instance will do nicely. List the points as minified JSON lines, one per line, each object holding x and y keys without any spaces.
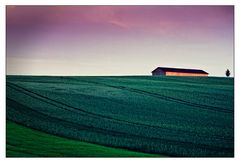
{"x":184,"y":74}
{"x":159,"y":73}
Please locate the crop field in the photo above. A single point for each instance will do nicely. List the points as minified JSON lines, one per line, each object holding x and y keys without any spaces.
{"x":151,"y":116}
{"x":21,"y":142}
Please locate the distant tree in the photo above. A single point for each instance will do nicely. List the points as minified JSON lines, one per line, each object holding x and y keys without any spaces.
{"x":227,"y":73}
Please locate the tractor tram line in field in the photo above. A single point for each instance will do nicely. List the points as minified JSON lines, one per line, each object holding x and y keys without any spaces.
{"x":151,"y":94}
{"x":159,"y":96}
{"x":28,"y":111}
{"x":149,"y":125}
{"x":83,"y":112}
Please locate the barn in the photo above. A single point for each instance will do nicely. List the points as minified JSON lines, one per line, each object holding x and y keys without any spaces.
{"x":167,"y":71}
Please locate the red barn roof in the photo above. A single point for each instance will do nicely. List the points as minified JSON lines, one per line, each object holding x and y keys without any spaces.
{"x":168,"y":69}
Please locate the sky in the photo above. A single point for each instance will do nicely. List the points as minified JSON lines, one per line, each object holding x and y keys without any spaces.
{"x":118,"y":40}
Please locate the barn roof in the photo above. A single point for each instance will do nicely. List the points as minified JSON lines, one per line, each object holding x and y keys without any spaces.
{"x":168,"y":69}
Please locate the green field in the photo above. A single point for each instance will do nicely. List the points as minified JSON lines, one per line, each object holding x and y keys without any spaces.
{"x":173,"y":116}
{"x":21,"y":142}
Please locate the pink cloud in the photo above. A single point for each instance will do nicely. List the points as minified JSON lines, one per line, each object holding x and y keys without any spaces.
{"x":160,"y":20}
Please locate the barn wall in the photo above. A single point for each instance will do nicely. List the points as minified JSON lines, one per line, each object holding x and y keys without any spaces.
{"x":159,"y":72}
{"x":184,"y":74}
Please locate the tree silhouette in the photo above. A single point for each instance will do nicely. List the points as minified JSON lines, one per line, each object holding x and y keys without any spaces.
{"x":227,"y":73}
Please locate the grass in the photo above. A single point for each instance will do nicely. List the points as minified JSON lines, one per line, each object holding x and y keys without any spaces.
{"x":175,"y":116}
{"x":26,"y":142}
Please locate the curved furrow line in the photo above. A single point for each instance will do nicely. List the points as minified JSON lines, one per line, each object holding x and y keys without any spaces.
{"x":156,"y":95}
{"x":26,"y":110}
{"x":99,"y":116}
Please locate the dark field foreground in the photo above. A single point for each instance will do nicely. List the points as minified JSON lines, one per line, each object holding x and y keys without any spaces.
{"x":174,"y":116}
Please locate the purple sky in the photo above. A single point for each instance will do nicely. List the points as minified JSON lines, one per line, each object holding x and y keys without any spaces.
{"x":118,"y":40}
